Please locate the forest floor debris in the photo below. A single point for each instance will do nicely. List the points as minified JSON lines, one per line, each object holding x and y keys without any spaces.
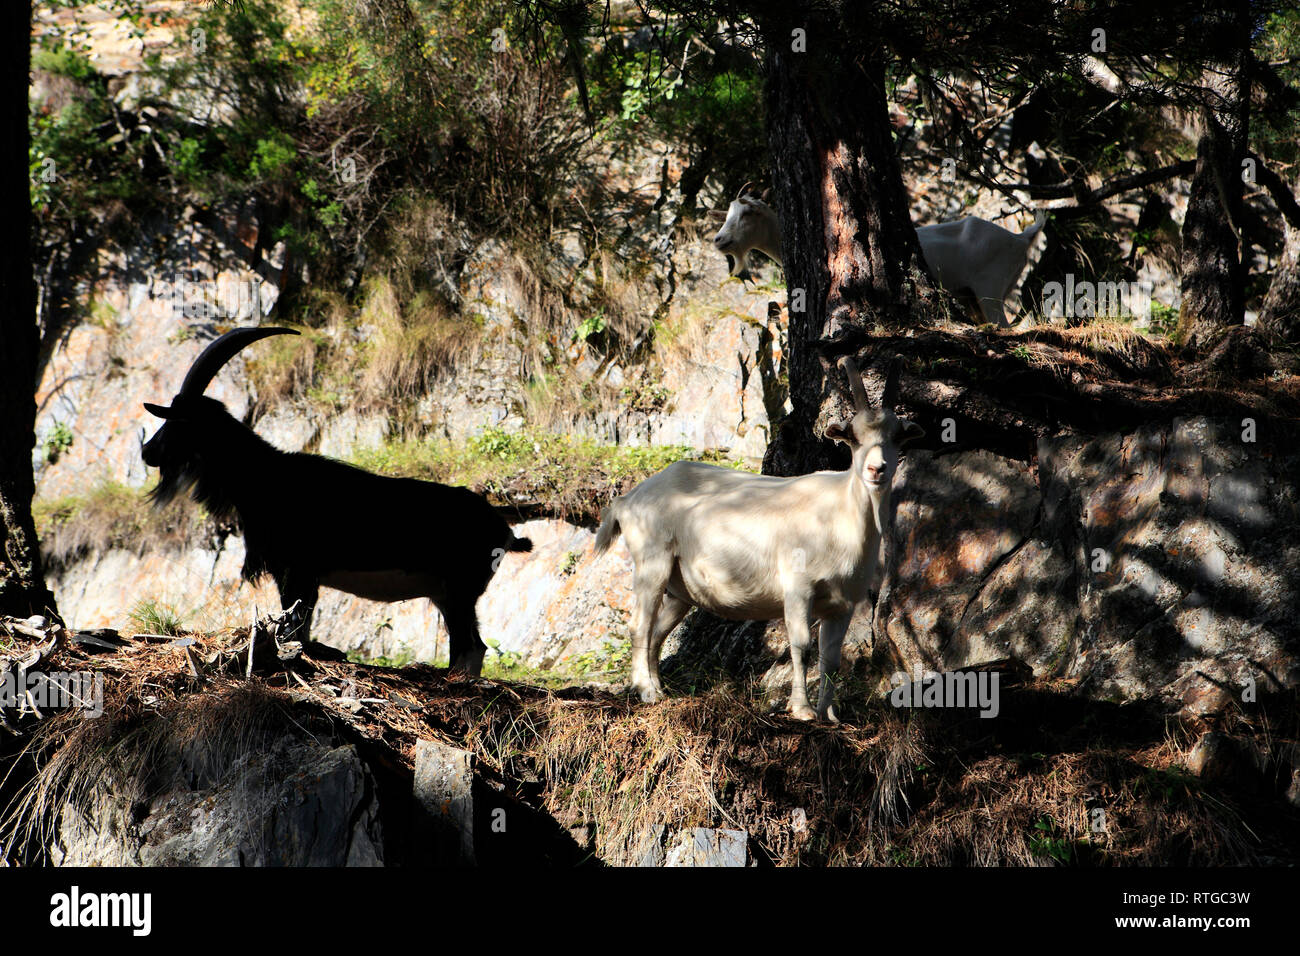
{"x":1058,"y":779}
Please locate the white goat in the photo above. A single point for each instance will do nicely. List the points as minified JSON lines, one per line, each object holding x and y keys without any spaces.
{"x":750,"y":224}
{"x":969,"y":255}
{"x":755,"y":547}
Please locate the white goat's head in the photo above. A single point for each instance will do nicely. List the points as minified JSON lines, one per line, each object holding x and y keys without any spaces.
{"x":750,"y":224}
{"x":876,"y":436}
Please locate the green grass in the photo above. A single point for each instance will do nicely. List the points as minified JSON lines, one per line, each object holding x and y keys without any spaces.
{"x":571,"y":473}
{"x":607,"y":664}
{"x":396,"y":662}
{"x":153,"y":617}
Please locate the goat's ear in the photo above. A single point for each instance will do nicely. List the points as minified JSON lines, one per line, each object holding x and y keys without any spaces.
{"x":909,"y":432}
{"x":158,"y":411}
{"x":841,"y":431}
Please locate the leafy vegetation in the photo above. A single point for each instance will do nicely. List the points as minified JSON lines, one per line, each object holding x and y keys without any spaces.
{"x":57,"y":442}
{"x":573,"y":474}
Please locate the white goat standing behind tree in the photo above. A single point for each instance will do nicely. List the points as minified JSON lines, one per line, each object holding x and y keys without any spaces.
{"x":755,"y":547}
{"x":969,"y":255}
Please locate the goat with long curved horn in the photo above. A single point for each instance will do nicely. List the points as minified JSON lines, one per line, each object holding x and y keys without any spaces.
{"x":312,"y":522}
{"x":212,"y":359}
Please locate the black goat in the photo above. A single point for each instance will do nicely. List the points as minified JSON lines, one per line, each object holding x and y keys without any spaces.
{"x":310,"y":521}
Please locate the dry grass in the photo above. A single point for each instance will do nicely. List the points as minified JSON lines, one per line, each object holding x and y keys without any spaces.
{"x":1097,"y":351}
{"x":110,"y":516}
{"x":105,"y":769}
{"x":717,"y":760}
{"x":411,"y":342}
{"x":1040,"y":812}
{"x":894,"y":787}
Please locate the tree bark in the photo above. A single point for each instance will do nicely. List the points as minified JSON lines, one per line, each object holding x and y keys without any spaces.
{"x":1213,"y":281}
{"x":850,"y":251}
{"x":22,"y":582}
{"x":1279,"y":317}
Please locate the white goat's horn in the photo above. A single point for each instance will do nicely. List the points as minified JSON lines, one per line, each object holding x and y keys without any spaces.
{"x":744,"y":189}
{"x":855,"y":384}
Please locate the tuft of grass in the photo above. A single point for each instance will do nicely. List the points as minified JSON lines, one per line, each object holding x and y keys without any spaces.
{"x":413,"y":340}
{"x":57,"y":442}
{"x":154,"y":617}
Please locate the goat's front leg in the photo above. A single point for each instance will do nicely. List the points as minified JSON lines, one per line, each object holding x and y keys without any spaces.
{"x":994,"y":310}
{"x":302,"y":589}
{"x":830,"y":640}
{"x":798,"y":625}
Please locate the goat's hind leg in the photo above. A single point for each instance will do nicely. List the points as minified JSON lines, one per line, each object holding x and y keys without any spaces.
{"x":467,"y":648}
{"x":650,"y":583}
{"x":671,"y":612}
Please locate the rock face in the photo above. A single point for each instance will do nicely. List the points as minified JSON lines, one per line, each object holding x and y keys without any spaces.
{"x":301,"y":803}
{"x":1155,"y":563}
{"x":444,"y":804}
{"x":549,"y":606}
{"x":693,"y":846}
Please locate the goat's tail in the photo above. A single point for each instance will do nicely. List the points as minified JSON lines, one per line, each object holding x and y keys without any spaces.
{"x":608,"y":529}
{"x":1039,"y":221}
{"x":519,"y":544}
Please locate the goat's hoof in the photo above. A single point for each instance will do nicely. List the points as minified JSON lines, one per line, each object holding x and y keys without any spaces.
{"x":323,"y":652}
{"x":829,"y":716}
{"x":652,"y":695}
{"x":803,"y":712}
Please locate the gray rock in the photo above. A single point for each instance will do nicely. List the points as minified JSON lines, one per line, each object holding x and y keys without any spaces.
{"x":1161,"y":563}
{"x":444,"y":805}
{"x":701,"y":846}
{"x":651,"y":850}
{"x":300,"y":803}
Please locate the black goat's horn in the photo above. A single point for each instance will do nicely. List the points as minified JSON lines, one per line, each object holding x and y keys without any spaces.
{"x":890,"y":395}
{"x":218,"y":353}
{"x":855,"y":384}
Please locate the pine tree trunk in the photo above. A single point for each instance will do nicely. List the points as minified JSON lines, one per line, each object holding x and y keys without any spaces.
{"x":1213,"y":283}
{"x":850,"y":252}
{"x":22,"y":584}
{"x":1279,"y":317}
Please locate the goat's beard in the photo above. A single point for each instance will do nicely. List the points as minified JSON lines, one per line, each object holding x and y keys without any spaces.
{"x":177,"y":479}
{"x":173,"y":482}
